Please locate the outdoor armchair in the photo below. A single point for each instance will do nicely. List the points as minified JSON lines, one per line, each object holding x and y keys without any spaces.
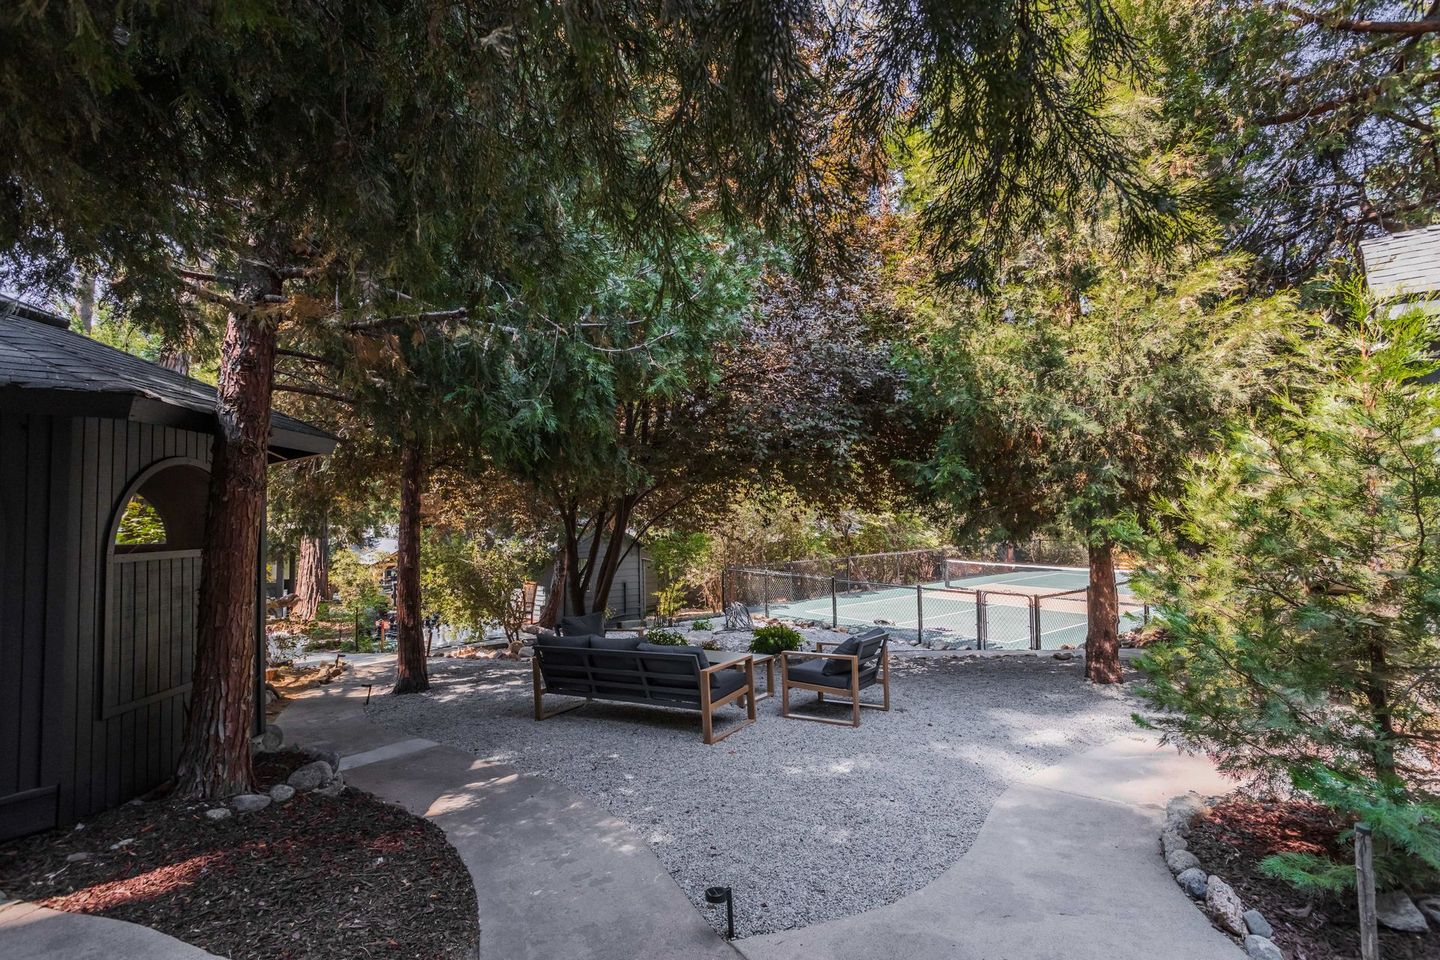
{"x":856,"y":663}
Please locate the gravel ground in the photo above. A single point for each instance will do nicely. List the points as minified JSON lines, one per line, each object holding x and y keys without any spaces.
{"x":806,"y":822}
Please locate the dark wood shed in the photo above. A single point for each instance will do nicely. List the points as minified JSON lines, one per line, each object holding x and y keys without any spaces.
{"x":104,"y":462}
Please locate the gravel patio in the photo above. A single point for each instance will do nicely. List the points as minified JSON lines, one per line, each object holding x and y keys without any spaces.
{"x":806,"y":822}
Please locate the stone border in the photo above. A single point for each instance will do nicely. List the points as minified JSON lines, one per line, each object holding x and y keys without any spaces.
{"x":1220,"y":900}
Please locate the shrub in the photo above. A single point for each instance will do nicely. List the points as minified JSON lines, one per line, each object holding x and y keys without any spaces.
{"x":776,"y":639}
{"x":667,"y":638}
{"x":705,"y":624}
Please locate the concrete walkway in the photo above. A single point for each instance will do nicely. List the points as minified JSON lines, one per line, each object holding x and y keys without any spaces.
{"x":1065,"y":866}
{"x":557,"y":878}
{"x":28,"y":932}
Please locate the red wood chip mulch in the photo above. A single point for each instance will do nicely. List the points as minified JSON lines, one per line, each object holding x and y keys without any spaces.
{"x":317,"y":877}
{"x":1239,"y":832}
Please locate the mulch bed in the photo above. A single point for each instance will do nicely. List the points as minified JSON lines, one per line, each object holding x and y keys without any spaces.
{"x":317,"y":877}
{"x":1239,"y":832}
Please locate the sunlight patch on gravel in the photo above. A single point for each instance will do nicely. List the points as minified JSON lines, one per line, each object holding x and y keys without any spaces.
{"x":806,"y":822}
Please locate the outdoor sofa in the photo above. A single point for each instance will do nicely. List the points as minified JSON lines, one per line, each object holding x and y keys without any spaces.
{"x":625,"y":669}
{"x":856,"y":663}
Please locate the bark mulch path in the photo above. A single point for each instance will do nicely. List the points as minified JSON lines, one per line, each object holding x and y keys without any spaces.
{"x":1239,"y":832}
{"x":318,"y":877}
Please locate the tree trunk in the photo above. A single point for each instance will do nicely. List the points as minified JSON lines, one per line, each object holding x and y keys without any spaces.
{"x":410,"y":671}
{"x":1102,"y":639}
{"x":309,"y":578}
{"x":85,"y":302}
{"x":554,"y":594}
{"x":215,"y":761}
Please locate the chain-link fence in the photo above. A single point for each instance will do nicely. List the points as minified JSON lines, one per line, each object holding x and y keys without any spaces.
{"x":922,"y":600}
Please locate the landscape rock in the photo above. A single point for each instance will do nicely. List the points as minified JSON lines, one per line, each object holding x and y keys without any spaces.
{"x":1194,"y":882}
{"x":1256,"y":923}
{"x":1398,"y":912}
{"x":79,"y":856}
{"x":329,"y":756}
{"x":1181,"y":810}
{"x":249,"y":802}
{"x":218,"y":813}
{"x":281,"y":792}
{"x":1430,"y":906}
{"x":1064,"y":655}
{"x":332,"y":789}
{"x":1170,"y":841}
{"x":310,"y":776}
{"x":1262,"y":948}
{"x":1224,"y":904}
{"x":271,"y":740}
{"x":1181,"y":860}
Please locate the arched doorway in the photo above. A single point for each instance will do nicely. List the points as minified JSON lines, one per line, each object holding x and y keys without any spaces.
{"x":152,"y":586}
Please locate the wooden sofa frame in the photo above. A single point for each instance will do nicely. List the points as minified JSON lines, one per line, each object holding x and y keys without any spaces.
{"x":882,"y":678}
{"x":639,"y":679}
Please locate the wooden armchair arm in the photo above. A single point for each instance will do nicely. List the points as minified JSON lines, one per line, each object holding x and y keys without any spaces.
{"x":807,"y":655}
{"x":737,"y":663}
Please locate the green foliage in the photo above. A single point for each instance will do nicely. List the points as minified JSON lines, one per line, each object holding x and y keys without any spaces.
{"x":357,"y":585}
{"x":702,"y":624}
{"x":666,"y":638}
{"x":1086,"y":388}
{"x":776,"y":639}
{"x":1298,"y":580}
{"x":140,"y":524}
{"x":471,"y":584}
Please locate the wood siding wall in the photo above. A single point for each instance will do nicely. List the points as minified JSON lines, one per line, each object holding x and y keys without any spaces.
{"x":94,"y":654}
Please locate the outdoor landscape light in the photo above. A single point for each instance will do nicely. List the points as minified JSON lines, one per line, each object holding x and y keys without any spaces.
{"x":717,"y":896}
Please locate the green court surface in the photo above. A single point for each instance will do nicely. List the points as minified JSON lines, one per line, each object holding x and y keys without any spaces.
{"x":998,"y":605}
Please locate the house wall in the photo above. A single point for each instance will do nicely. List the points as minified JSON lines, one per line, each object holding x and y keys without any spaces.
{"x":95,"y":654}
{"x":634,"y":580}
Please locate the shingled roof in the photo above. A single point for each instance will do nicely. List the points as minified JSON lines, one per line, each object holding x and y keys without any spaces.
{"x":1403,"y":264}
{"x":45,"y":368}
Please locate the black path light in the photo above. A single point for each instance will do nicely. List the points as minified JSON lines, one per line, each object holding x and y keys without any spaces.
{"x":717,"y":896}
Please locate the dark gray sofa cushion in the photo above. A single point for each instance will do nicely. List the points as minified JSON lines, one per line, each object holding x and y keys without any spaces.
{"x":615,"y":643}
{"x":814,"y":671}
{"x":676,"y":666}
{"x":583,"y":625}
{"x":861,"y":644}
{"x":724,"y":682}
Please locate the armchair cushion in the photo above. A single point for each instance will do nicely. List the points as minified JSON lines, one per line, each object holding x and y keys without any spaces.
{"x":861,"y":643}
{"x":585,"y":625}
{"x":849,"y":648}
{"x":724,"y":682}
{"x":817,"y":672}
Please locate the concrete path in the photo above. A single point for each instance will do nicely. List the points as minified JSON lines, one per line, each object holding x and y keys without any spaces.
{"x":557,"y":878}
{"x":1066,"y":867}
{"x":28,"y":932}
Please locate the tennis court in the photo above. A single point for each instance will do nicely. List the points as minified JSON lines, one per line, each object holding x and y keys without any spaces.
{"x":970,"y":605}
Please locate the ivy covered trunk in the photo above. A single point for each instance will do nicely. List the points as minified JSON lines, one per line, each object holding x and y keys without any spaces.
{"x":215,"y":761}
{"x":1102,"y":610}
{"x":309,"y":578}
{"x":410,"y":671}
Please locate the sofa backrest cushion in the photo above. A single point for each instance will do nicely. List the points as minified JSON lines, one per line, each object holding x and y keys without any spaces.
{"x":675,"y":666}
{"x":622,"y":642}
{"x":583,"y":625}
{"x":556,"y":651}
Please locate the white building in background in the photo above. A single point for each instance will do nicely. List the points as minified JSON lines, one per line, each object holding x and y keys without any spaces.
{"x":1405,"y":266}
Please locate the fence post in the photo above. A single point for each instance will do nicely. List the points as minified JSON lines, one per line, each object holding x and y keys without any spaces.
{"x":1145,"y":615}
{"x":979,"y":620}
{"x":919,"y":614}
{"x":724,"y":582}
{"x":1365,"y":892}
{"x":1035,"y":623}
{"x":834,"y":605}
{"x":765,"y":579}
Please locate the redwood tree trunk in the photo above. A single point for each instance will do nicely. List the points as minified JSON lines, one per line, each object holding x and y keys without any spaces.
{"x":410,"y":671}
{"x":309,"y":578}
{"x":215,"y":761}
{"x":1102,"y":639}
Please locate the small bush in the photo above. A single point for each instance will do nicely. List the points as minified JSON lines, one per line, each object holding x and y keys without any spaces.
{"x":775,"y":640}
{"x":705,"y":624}
{"x":667,"y":638}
